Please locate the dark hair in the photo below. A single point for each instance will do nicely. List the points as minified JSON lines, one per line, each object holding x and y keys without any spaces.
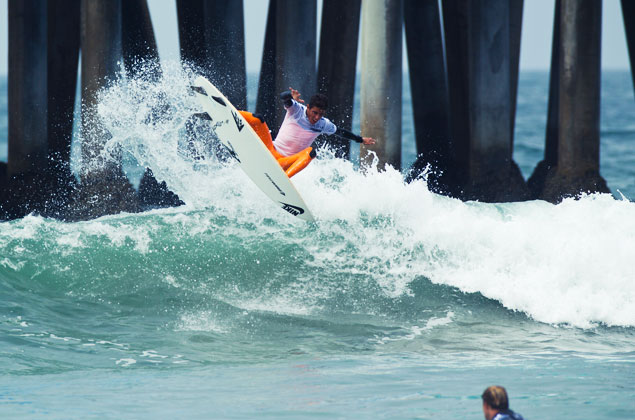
{"x":319,"y":100}
{"x":496,"y":397}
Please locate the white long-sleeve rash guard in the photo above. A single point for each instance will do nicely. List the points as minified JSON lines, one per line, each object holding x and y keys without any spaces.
{"x":297,"y":133}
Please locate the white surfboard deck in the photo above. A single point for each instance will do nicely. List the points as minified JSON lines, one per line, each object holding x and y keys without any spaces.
{"x":252,"y":155}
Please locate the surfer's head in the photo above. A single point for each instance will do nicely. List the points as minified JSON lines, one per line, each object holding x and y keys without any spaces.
{"x":317,"y":107}
{"x":319,"y":100}
{"x":494,"y":400}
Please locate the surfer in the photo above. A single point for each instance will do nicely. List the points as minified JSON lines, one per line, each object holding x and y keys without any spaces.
{"x":299,"y":129}
{"x":496,"y":405}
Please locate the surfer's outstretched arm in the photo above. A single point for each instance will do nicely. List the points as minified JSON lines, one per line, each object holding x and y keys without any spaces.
{"x":341,"y":132}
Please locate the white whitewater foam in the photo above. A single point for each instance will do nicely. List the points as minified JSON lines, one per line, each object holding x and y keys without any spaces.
{"x":568,"y":263}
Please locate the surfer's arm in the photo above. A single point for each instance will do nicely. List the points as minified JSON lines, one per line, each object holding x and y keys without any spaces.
{"x":341,"y":132}
{"x":288,"y":96}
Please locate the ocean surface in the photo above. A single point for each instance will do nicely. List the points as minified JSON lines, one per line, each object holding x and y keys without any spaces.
{"x":397,"y":304}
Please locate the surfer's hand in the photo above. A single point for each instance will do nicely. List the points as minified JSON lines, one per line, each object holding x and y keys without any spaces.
{"x":368,"y":140}
{"x":296,"y":95}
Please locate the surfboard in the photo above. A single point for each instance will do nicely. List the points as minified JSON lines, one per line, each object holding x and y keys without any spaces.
{"x":252,"y":156}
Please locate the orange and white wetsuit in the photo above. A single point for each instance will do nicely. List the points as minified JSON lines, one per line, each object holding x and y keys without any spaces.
{"x":290,"y":164}
{"x":292,"y":148}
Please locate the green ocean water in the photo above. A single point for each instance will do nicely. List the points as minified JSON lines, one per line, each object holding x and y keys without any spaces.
{"x":396,"y":303}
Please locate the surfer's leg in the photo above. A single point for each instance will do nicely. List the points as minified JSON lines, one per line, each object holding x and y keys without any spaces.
{"x":286,"y":161}
{"x":262,"y":129}
{"x":303,"y":159}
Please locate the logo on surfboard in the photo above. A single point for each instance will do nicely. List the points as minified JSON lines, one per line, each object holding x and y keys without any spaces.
{"x":274,"y":184}
{"x":294,"y":210}
{"x":239,"y":123}
{"x":231,"y":151}
{"x":219,"y":100}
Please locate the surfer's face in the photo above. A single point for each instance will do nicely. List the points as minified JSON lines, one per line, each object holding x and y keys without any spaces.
{"x":314,"y":114}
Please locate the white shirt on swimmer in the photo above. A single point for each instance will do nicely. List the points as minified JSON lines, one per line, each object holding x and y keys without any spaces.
{"x":297,"y":133}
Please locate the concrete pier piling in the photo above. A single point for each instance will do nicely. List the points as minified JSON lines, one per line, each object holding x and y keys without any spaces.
{"x":26,"y":171}
{"x":480,"y":85}
{"x":628,"y":15}
{"x":191,"y":33}
{"x":337,"y":65}
{"x":266,"y":102}
{"x":296,"y":43}
{"x":428,"y":87}
{"x":579,"y":96}
{"x":381,"y":81}
{"x":138,"y":44}
{"x":28,"y":134}
{"x":101,"y":55}
{"x":211,"y":35}
{"x":536,"y":181}
{"x":515,"y":33}
{"x":63,"y":57}
{"x":288,"y":56}
{"x":225,"y":39}
{"x":577,"y":160}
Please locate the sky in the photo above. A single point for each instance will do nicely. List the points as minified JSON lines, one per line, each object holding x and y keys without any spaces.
{"x":535,"y":45}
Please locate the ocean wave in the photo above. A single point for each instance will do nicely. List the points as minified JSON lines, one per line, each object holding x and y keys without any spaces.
{"x":563,"y":264}
{"x":374,"y":239}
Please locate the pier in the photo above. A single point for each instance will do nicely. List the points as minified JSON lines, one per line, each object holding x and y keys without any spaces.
{"x":463,"y":60}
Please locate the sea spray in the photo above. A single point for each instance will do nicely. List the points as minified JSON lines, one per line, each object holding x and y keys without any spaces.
{"x":151,"y":123}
